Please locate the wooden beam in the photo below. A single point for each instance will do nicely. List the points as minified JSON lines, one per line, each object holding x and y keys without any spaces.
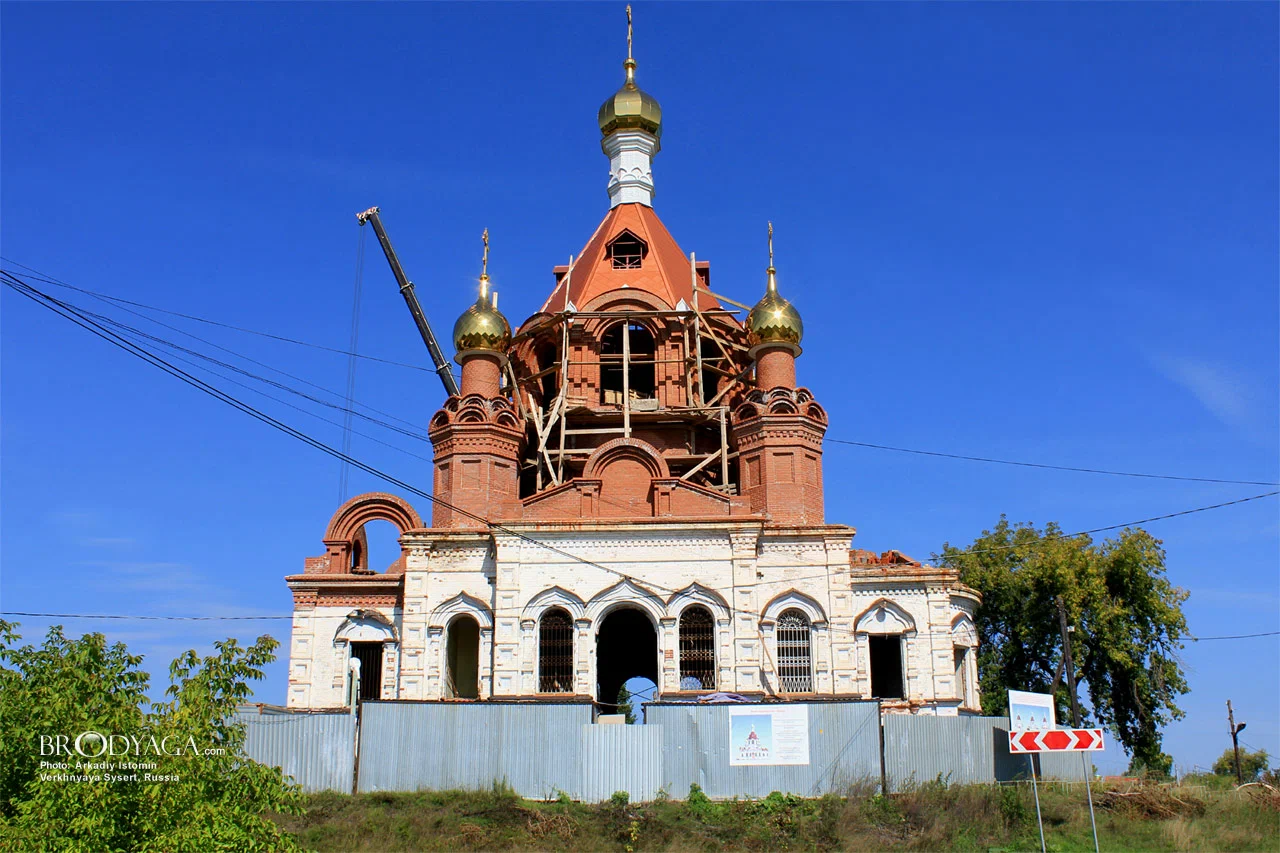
{"x":626,"y":379}
{"x":734,"y":382}
{"x":724,"y":447}
{"x":710,"y":457}
{"x":724,"y":299}
{"x":564,"y":382}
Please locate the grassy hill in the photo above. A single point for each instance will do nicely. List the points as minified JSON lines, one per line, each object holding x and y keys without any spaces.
{"x":930,"y":817}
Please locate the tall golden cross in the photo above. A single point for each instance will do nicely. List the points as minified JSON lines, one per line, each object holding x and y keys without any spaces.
{"x":484,"y":262}
{"x":628,"y":31}
{"x":771,"y":244}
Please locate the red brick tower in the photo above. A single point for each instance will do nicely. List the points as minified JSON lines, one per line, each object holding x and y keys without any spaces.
{"x":478,"y":435}
{"x":779,"y":427}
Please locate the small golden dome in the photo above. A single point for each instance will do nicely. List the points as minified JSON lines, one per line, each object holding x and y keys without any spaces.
{"x":774,"y":319}
{"x":631,"y":107}
{"x":482,"y":326}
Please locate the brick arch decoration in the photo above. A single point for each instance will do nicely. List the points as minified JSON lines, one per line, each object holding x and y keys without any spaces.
{"x":346,"y":533}
{"x":622,"y":300}
{"x":625,"y":448}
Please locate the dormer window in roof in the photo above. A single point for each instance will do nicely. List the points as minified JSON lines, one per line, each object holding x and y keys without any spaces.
{"x":627,"y":251}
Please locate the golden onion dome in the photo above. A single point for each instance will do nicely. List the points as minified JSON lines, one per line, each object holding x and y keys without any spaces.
{"x":482,"y":326}
{"x":631,"y":107}
{"x":774,"y":319}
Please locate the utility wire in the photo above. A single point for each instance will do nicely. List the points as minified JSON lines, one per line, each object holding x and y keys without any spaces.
{"x":290,"y":616}
{"x":351,"y":366}
{"x":135,"y":332}
{"x":1236,"y":636}
{"x":286,"y":403}
{"x":43,"y":277}
{"x":71,"y":313}
{"x":1048,"y":467}
{"x":155,"y":618}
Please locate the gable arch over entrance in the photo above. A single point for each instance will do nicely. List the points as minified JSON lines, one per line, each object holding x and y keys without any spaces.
{"x":346,"y":547}
{"x":884,"y":617}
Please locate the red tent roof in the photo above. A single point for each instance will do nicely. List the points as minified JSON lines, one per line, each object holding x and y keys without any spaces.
{"x":664,"y":272}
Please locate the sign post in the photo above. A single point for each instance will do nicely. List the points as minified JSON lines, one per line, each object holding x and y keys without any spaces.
{"x":1032,"y":740}
{"x":1031,"y":712}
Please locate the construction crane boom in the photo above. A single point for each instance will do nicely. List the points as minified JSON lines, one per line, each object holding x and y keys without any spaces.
{"x":411,"y":299}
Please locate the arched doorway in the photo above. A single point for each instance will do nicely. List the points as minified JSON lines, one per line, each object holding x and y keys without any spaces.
{"x":462,"y":656}
{"x":626,"y":647}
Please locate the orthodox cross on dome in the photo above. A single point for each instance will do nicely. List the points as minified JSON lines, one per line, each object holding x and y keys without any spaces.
{"x":770,"y":245}
{"x":484,"y":259}
{"x":630,"y":126}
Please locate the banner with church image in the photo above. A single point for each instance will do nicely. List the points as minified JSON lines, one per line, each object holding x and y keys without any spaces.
{"x":763,"y":735}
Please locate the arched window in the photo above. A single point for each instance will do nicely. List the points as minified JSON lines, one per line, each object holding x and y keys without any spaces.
{"x":795,"y":658}
{"x":634,"y":356}
{"x":697,"y":649}
{"x":462,"y":656}
{"x":555,"y":652}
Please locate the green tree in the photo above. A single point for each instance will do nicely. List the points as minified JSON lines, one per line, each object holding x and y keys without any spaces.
{"x":1252,"y":764}
{"x":1128,"y":626}
{"x":624,"y":704}
{"x":194,"y":789}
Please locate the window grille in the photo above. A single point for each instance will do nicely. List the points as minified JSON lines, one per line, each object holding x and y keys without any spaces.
{"x":697,"y":649}
{"x":627,"y":252}
{"x":795,"y":660}
{"x":555,"y":653}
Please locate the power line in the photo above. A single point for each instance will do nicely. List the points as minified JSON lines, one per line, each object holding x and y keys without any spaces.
{"x":290,"y":616}
{"x":1047,"y":467}
{"x":135,"y":331}
{"x":1236,"y":636}
{"x":44,"y":277}
{"x":73,"y":314}
{"x":47,"y":279}
{"x":155,"y":618}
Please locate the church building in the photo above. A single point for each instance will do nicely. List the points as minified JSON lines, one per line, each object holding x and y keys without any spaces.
{"x":628,"y":485}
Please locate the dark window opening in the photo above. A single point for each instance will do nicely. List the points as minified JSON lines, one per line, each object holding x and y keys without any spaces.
{"x":697,"y":649}
{"x":356,"y":553}
{"x":463,"y":656}
{"x":795,"y":657}
{"x":886,"y":667}
{"x":370,"y":657}
{"x":710,"y":379}
{"x":528,"y":480}
{"x":962,"y":673}
{"x":555,"y":652}
{"x":546,"y":358}
{"x":627,"y":252}
{"x":641,"y":378}
{"x":626,"y":648}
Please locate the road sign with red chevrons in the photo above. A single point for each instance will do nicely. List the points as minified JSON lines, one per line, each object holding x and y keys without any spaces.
{"x":1056,"y":740}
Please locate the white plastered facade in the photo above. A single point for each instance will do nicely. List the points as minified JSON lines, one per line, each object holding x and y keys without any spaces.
{"x":745,"y":574}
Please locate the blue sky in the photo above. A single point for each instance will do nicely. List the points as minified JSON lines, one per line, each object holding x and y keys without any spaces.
{"x":1030,"y":231}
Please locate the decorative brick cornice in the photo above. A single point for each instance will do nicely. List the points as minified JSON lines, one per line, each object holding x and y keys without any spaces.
{"x":334,"y":590}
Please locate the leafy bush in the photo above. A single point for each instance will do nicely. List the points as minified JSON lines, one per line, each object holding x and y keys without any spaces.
{"x":190,"y":787}
{"x":1252,"y":764}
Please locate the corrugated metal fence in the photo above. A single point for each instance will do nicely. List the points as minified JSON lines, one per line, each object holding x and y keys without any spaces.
{"x":621,"y":758}
{"x":412,"y":746}
{"x":317,"y":750}
{"x":541,"y":750}
{"x":961,"y":750}
{"x":844,"y":747}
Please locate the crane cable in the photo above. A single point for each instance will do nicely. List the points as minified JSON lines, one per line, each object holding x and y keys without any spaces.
{"x":351,"y":368}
